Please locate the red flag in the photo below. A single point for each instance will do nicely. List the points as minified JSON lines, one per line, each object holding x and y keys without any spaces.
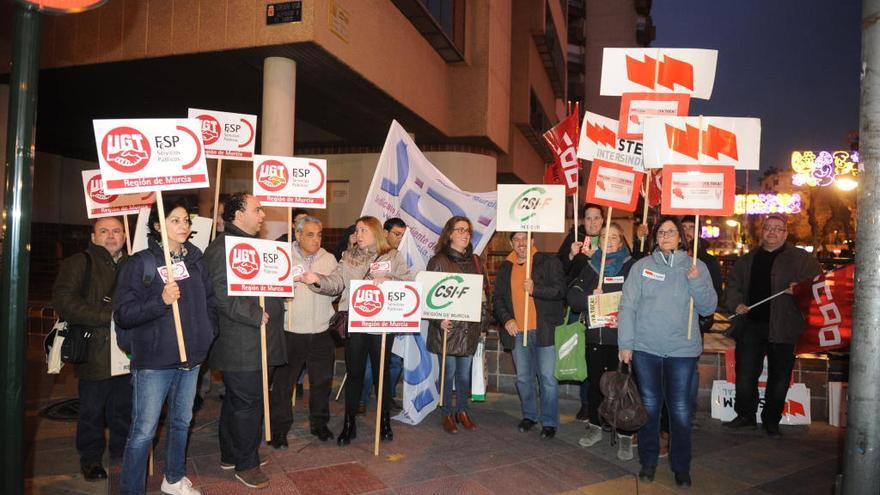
{"x":655,"y":187}
{"x":553,"y":174}
{"x":563,"y":140}
{"x":826,"y":303}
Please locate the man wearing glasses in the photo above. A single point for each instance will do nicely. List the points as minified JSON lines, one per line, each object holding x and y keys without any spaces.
{"x":770,"y":329}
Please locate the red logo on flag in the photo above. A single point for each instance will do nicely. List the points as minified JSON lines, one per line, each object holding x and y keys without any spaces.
{"x":563,"y":140}
{"x":826,"y":303}
{"x":210,"y":129}
{"x":244,"y":261}
{"x":96,"y":191}
{"x":272,"y":175}
{"x":126,"y":149}
{"x":367,"y":300}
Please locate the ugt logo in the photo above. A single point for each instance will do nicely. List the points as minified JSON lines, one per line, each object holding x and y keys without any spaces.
{"x":272,"y":175}
{"x":367,"y":300}
{"x":244,"y":261}
{"x":210,"y":129}
{"x":126,"y":149}
{"x":528,"y":203}
{"x":96,"y":191}
{"x":445,"y":292}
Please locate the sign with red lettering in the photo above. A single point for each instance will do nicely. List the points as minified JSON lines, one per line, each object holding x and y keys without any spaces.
{"x":389,"y":307}
{"x":636,"y":107}
{"x":226,"y":135}
{"x":599,"y":141}
{"x":257,"y":267}
{"x":99,"y":204}
{"x":291,"y":182}
{"x":658,"y":70}
{"x":614,"y":185}
{"x":698,"y":190}
{"x":826,"y":302}
{"x":703,"y":141}
{"x":143,"y":155}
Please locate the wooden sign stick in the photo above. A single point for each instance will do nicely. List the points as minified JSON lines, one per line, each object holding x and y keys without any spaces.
{"x":181,"y":346}
{"x":528,"y":276}
{"x":265,"y":369}
{"x":127,"y":234}
{"x":443,"y":367}
{"x":379,"y":400}
{"x":605,"y":248}
{"x":216,"y":198}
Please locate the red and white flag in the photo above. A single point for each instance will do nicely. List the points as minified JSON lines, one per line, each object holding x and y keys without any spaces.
{"x":563,"y":140}
{"x":826,"y":302}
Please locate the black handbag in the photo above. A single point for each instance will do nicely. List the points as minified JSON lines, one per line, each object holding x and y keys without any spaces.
{"x":75,"y":348}
{"x":339,"y":324}
{"x":622,"y":406}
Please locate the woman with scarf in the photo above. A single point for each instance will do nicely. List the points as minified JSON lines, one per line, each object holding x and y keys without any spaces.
{"x":601,"y":341}
{"x":454,"y":254}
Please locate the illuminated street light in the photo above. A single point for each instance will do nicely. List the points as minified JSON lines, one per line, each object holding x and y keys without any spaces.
{"x":732,"y":223}
{"x":846,"y":183}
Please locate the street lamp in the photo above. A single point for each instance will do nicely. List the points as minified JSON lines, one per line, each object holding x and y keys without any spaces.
{"x":736,"y":223}
{"x":846,"y":183}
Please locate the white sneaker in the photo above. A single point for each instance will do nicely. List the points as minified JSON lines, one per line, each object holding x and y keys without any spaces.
{"x":624,"y":447}
{"x":592,"y":437}
{"x":182,"y":487}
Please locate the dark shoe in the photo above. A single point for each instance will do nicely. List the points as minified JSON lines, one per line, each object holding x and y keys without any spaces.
{"x":395,"y":405}
{"x":583,"y":414}
{"x":385,"y":432}
{"x":525,"y":425}
{"x":548,"y":432}
{"x":322,"y":432}
{"x":683,"y":480}
{"x":741,"y":422}
{"x":349,"y":431}
{"x":647,"y":473}
{"x":772,"y":431}
{"x":466,"y":422}
{"x":362,"y":408}
{"x":449,"y":424}
{"x":94,"y":472}
{"x":278,"y":442}
{"x":253,"y":478}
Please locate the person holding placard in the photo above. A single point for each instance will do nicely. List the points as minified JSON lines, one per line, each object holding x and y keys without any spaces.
{"x":455,"y":254}
{"x":82,"y":297}
{"x":309,"y":343}
{"x":372,"y":258}
{"x":575,"y":254}
{"x":237,"y":352}
{"x":653,"y":336}
{"x":601,"y":341}
{"x":142,"y":311}
{"x":545,"y":288}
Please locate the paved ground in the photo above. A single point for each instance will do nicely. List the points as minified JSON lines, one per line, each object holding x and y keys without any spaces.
{"x":423,"y":459}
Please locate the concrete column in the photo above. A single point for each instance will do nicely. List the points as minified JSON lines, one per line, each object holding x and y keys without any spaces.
{"x":277,"y":126}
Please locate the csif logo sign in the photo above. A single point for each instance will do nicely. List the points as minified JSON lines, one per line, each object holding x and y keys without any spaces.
{"x":446,"y":291}
{"x":244,"y":261}
{"x":527,"y":204}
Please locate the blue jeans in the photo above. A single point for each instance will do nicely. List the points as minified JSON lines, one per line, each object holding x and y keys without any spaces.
{"x":540,"y":362}
{"x":150,"y":390}
{"x":458,"y":370}
{"x":665,"y":379}
{"x":395,"y":368}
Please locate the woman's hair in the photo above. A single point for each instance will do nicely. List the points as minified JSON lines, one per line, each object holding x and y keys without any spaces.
{"x":170,"y":204}
{"x":446,"y":233}
{"x":682,"y":242}
{"x":375,"y":227}
{"x":616,"y":226}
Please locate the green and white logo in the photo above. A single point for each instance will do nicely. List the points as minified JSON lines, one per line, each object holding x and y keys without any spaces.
{"x":527,"y":204}
{"x":446,"y":291}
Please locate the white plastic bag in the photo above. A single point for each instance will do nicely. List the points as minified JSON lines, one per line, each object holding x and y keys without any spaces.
{"x":478,"y":375}
{"x":53,"y":359}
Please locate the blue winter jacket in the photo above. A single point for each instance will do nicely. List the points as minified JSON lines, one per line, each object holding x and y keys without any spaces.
{"x":654,"y":306}
{"x":147,"y":323}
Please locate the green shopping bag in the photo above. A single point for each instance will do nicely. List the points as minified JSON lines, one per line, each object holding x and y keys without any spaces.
{"x":571,"y":363}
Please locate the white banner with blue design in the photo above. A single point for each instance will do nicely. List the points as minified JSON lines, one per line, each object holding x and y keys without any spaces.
{"x":408,"y":186}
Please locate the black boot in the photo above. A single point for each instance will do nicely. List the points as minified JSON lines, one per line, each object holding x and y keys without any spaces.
{"x":349,"y":431}
{"x":385,"y":427}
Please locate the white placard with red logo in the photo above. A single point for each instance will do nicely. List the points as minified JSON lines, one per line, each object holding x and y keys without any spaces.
{"x":614,"y":185}
{"x":226,"y":135}
{"x":599,"y":141}
{"x":143,"y":155}
{"x":726,"y":141}
{"x":291,"y":182}
{"x":389,"y":307}
{"x":535,"y":207}
{"x":698,"y":190}
{"x":100,"y":205}
{"x":636,"y":107}
{"x":200,"y":233}
{"x":257,"y":267}
{"x":682,"y":70}
{"x":795,"y":412}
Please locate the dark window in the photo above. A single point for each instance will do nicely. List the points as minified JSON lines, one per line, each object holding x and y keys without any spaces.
{"x":441,"y":22}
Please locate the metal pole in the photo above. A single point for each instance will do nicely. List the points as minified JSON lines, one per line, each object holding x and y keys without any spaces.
{"x":16,"y":246}
{"x":861,"y":461}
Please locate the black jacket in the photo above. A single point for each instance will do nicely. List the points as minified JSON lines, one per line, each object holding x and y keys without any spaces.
{"x":238,"y":344}
{"x":549,"y":294}
{"x":572,"y":267}
{"x":140,"y":311}
{"x":463,"y":335}
{"x":583,"y":286}
{"x":91,"y":309}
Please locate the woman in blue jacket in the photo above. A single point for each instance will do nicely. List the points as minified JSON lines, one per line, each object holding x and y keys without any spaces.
{"x":653,"y":335}
{"x":142,"y":311}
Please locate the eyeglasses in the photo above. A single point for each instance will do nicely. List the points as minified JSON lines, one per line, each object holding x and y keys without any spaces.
{"x":462,"y":230}
{"x":774,"y":229}
{"x":666,"y":233}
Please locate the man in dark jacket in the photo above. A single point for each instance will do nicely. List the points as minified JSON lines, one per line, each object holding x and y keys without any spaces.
{"x":81,"y":296}
{"x":543,"y":290}
{"x":236,"y":352}
{"x":770,"y":329}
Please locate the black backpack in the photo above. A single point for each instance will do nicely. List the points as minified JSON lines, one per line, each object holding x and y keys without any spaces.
{"x":622,"y":406}
{"x":123,"y":336}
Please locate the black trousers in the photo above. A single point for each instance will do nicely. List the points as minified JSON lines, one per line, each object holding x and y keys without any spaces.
{"x":103,"y":402}
{"x":600,"y":358}
{"x":241,"y":418}
{"x":751,"y":347}
{"x":358,"y":347}
{"x":315,"y":352}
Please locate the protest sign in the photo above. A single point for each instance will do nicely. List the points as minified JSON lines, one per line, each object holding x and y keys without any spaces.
{"x":795,"y":412}
{"x":451,"y":296}
{"x":120,"y":363}
{"x":531,"y":207}
{"x":725,"y":141}
{"x":291,"y":182}
{"x":698,"y":190}
{"x":100,"y":205}
{"x":389,"y":307}
{"x":257,"y":267}
{"x":660,"y":70}
{"x":599,"y":141}
{"x":143,"y":155}
{"x":226,"y":134}
{"x":636,"y":107}
{"x":614,"y":185}
{"x":603,"y":308}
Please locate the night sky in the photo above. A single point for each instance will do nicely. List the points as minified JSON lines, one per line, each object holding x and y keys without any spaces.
{"x":792,"y":63}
